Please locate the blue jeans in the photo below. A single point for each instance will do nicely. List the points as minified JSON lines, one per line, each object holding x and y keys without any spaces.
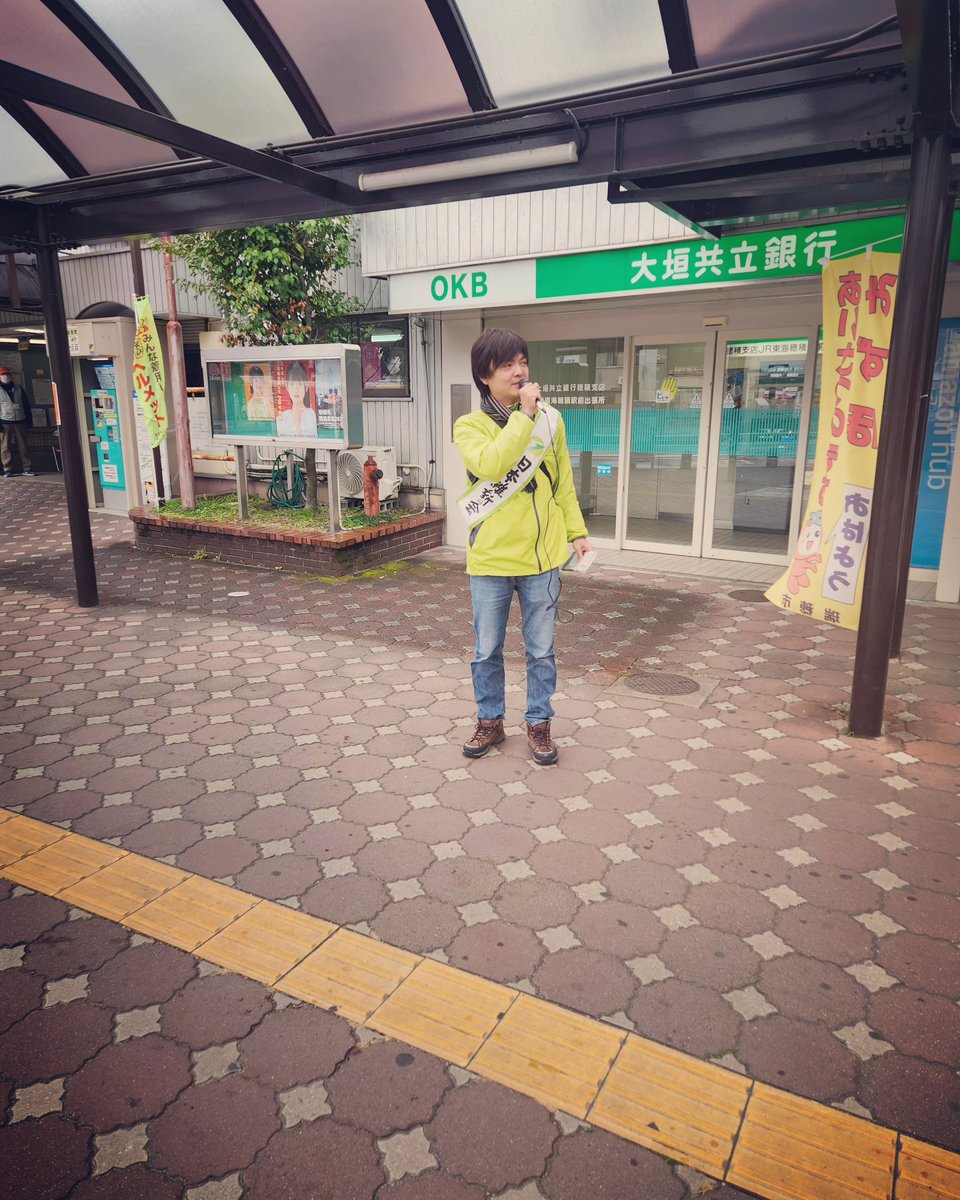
{"x":492,"y":596}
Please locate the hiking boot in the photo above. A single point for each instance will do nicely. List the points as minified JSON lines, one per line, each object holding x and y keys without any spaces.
{"x":486,"y":734}
{"x":541,"y":743}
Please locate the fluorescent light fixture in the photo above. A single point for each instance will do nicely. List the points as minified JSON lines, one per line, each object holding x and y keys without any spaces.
{"x":387,"y":335}
{"x":16,"y":341}
{"x":469,"y":168}
{"x":38,"y":341}
{"x":29,"y":328}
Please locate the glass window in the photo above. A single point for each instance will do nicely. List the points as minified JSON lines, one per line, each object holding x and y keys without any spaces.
{"x":583,"y":378}
{"x":385,"y":354}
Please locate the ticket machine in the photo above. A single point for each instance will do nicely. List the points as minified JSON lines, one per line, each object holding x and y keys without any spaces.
{"x":117,"y":454}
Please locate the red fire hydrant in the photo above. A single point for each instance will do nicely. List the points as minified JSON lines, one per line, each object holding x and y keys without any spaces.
{"x":371,"y":487}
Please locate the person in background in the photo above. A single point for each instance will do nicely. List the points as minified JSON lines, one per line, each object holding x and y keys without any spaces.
{"x":520,"y":526}
{"x":14,"y":422}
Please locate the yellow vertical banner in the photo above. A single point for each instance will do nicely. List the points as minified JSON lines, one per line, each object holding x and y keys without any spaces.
{"x":148,"y":380}
{"x":825,"y":579}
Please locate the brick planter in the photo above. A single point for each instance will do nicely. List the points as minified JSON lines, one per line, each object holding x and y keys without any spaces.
{"x":317,"y":553}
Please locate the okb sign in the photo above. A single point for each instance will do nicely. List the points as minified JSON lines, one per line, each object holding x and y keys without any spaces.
{"x":490,"y":284}
{"x":743,"y":257}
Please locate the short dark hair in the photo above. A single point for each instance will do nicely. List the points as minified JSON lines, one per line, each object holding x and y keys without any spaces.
{"x":492,"y":349}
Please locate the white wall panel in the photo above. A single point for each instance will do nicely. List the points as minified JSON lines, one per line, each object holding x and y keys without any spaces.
{"x":561,"y":220}
{"x":410,"y":425}
{"x":105,"y":274}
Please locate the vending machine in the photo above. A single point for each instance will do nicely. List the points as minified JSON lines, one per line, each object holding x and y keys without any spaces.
{"x":119,"y":460}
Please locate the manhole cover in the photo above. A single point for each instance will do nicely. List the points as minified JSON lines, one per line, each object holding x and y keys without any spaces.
{"x":662,"y":685}
{"x":748,"y":595}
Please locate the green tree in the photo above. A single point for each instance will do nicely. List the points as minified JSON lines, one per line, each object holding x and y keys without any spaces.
{"x":272,"y":283}
{"x":272,"y":286}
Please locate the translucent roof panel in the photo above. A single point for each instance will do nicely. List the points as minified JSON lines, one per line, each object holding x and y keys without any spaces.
{"x":101,"y":149}
{"x":370,"y":65}
{"x":25,"y":164}
{"x":533,"y":50}
{"x":738,"y":29}
{"x":203,"y":67}
{"x":34,"y":38}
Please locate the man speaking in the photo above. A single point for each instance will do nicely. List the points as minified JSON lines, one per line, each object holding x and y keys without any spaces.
{"x":521,"y":510}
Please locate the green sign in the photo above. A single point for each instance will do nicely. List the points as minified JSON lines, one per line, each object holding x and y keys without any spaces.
{"x":740,"y":258}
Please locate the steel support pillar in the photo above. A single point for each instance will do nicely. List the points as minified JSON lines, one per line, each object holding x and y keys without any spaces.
{"x":919,"y":430}
{"x":912,"y":329}
{"x":74,"y":472}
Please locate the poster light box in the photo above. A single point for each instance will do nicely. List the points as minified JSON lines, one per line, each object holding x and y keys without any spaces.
{"x":290,"y":397}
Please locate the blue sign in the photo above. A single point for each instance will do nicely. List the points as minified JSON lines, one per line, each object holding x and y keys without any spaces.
{"x":605,"y":469}
{"x":938,"y":450}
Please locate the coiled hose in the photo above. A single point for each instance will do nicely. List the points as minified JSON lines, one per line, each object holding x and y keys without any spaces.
{"x":279,"y":492}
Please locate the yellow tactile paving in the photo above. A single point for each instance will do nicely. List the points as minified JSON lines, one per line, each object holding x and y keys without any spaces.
{"x":443,"y":1010}
{"x":20,"y":836}
{"x":787,"y":1148}
{"x":686,"y":1109}
{"x":558,"y":1057}
{"x":349,"y":973}
{"x":190,"y":913}
{"x":123,"y":887}
{"x":927,"y":1173}
{"x":266,"y":942}
{"x":794,"y":1149}
{"x":61,"y":864}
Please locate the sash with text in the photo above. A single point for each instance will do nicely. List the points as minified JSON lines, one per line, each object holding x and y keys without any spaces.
{"x":486,"y":496}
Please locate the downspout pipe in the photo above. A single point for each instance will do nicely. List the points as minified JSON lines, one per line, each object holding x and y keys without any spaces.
{"x":178,"y":388}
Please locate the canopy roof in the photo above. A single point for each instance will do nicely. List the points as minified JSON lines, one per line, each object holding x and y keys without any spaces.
{"x":118,"y":118}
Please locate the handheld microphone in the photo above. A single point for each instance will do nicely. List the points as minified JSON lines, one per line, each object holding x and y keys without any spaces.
{"x":523,"y":384}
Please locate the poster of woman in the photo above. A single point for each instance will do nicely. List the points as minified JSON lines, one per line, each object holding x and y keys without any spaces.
{"x":296,"y":400}
{"x":258,"y":388}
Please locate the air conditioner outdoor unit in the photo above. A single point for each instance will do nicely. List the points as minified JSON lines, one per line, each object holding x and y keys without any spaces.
{"x":350,"y":471}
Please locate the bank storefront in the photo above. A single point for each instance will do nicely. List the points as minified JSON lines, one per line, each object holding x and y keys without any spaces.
{"x":688,"y":375}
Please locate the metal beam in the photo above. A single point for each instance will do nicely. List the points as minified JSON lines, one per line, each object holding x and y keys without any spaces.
{"x":813,"y":198}
{"x":41,"y":89}
{"x":463,"y":55}
{"x":807,"y":111}
{"x":681,"y":52}
{"x":18,"y":226}
{"x":928,"y":31}
{"x":277,"y":57}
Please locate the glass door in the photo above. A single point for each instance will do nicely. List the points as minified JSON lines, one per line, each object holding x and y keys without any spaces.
{"x":583,"y":378}
{"x":757,"y":422}
{"x":670,"y":407}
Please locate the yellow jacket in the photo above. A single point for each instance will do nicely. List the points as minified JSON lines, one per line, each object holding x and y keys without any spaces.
{"x":529,"y":533}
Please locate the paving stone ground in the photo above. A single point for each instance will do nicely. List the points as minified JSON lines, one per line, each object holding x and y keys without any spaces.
{"x":129,"y":1069}
{"x":734,"y":876}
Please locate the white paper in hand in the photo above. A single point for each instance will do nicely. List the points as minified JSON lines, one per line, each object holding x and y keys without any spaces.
{"x":580,"y":564}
